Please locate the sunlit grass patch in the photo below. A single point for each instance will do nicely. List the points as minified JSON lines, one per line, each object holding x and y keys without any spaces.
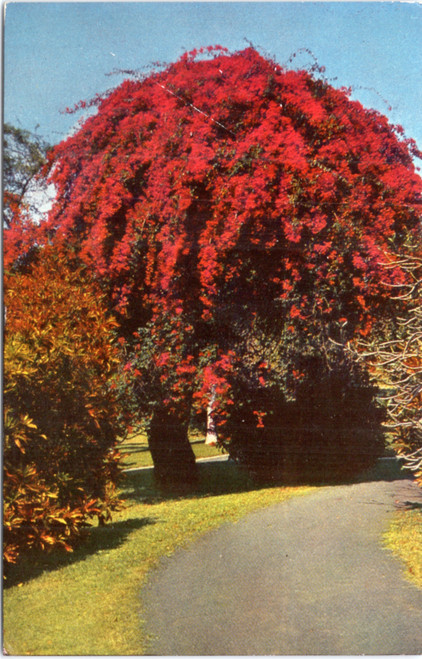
{"x":203,"y":450}
{"x":404,"y":538}
{"x":137,"y":452}
{"x":89,"y":602}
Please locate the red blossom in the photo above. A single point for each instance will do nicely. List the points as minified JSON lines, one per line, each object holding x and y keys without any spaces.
{"x":224,"y":180}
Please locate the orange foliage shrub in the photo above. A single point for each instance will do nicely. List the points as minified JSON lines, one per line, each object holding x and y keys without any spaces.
{"x":61,"y":461}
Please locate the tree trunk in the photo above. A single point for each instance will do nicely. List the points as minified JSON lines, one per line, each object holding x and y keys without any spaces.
{"x":172,"y":454}
{"x":211,"y":436}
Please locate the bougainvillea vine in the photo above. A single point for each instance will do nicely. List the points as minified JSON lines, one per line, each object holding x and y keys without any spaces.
{"x":223,"y":188}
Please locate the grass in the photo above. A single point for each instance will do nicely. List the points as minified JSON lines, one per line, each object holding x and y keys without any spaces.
{"x":404,"y":539}
{"x":88,"y":602}
{"x":137,"y":453}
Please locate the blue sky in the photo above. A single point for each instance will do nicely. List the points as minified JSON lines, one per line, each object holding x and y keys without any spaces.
{"x":57,"y":53}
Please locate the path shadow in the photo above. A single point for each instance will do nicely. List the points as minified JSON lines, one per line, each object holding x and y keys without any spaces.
{"x":214,"y":478}
{"x":135,"y":448}
{"x":93,"y":540}
{"x":410,"y":505}
{"x":386,"y":469}
{"x":217,"y":478}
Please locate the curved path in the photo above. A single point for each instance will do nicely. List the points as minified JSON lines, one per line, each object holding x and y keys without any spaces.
{"x":309,"y":576}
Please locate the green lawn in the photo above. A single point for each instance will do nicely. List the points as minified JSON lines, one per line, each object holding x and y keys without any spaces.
{"x":137,"y":454}
{"x":88,"y":602}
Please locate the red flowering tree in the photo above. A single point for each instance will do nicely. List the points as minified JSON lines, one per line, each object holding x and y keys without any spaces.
{"x":222,"y":191}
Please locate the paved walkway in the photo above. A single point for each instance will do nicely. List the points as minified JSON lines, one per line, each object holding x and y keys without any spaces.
{"x":309,"y":576}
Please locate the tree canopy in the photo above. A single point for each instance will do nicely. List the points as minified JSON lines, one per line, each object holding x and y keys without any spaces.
{"x":225,"y":189}
{"x":196,"y":173}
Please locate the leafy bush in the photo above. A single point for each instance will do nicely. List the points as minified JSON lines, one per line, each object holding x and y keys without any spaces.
{"x":32,"y":518}
{"x":61,"y":418}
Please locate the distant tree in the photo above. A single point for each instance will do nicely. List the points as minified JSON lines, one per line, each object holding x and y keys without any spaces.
{"x":211,"y":437}
{"x":225,"y":190}
{"x":24,"y":154}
